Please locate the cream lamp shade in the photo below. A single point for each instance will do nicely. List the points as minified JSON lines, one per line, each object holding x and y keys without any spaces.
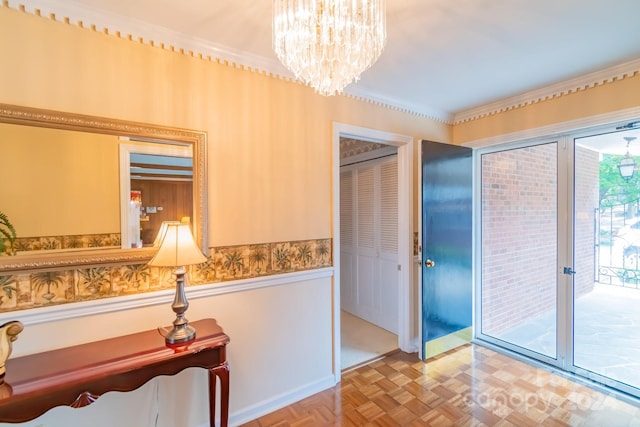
{"x":161,"y":233}
{"x":177,"y":246}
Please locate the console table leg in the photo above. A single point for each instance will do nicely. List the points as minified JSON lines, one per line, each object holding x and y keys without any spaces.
{"x":221,"y":372}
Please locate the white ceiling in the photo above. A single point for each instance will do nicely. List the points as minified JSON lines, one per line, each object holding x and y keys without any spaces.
{"x":442,"y":56}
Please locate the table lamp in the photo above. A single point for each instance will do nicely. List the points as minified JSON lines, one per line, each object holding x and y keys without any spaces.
{"x":177,"y":248}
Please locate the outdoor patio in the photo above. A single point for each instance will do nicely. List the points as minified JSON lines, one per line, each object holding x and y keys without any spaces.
{"x":606,"y":337}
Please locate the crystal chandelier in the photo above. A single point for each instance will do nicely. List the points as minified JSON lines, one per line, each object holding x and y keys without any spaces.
{"x":328,"y":43}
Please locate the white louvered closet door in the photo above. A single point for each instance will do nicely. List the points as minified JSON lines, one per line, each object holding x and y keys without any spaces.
{"x":348,"y":286}
{"x":369,"y":242}
{"x":388,"y":275}
{"x":366,"y":251}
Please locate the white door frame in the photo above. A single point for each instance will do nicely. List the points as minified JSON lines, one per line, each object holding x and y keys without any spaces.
{"x":405,"y":226}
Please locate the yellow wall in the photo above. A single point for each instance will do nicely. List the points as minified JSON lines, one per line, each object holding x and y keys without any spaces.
{"x":620,"y":94}
{"x":269,"y":139}
{"x":269,"y":179}
{"x":59,"y":182}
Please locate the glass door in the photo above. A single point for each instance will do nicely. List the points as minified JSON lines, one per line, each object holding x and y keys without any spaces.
{"x":517,"y":280}
{"x":558,"y":265}
{"x":606,"y":286}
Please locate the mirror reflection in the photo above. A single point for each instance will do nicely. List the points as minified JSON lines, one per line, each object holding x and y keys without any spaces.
{"x":160,"y":189}
{"x":60,"y":194}
{"x":66,"y":186}
{"x":67,"y":190}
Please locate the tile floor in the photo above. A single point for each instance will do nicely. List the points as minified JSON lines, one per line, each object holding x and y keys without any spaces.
{"x":362,"y":341}
{"x":607,"y":333}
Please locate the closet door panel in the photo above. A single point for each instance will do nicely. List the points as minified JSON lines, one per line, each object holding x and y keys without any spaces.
{"x":388,"y":276}
{"x":369,"y":242}
{"x":366,"y":255}
{"x":348,"y":278}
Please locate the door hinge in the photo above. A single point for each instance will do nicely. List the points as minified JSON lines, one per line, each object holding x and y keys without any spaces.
{"x":568,"y":270}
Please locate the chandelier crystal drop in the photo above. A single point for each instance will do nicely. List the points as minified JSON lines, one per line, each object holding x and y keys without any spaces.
{"x":328,"y":43}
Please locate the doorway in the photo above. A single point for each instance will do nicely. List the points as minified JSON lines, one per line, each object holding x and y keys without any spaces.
{"x":369,"y":250}
{"x":407,"y":336}
{"x":605,"y":339}
{"x":557,"y":272}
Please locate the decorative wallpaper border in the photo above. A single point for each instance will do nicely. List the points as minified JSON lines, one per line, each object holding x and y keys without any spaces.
{"x":46,"y":288}
{"x":104,"y":240}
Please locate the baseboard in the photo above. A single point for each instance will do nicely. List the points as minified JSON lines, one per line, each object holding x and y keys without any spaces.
{"x":369,"y":361}
{"x":278,"y":402}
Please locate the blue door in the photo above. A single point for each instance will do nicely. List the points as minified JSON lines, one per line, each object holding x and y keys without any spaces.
{"x":446,"y":246}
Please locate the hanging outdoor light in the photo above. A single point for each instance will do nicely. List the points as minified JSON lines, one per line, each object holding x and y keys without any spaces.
{"x":627,"y":165}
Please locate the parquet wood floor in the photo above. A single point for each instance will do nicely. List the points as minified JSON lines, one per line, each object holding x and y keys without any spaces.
{"x":468,"y":386}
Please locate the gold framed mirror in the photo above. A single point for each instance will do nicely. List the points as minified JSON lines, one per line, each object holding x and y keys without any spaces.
{"x":68,"y":178}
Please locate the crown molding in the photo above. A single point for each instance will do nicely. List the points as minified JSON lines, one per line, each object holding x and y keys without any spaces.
{"x":558,"y":129}
{"x":423,"y":110}
{"x":607,"y":75}
{"x":75,"y":13}
{"x":126,"y":27}
{"x":78,"y":14}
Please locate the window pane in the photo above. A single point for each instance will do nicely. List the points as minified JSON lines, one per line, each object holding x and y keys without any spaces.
{"x":519,"y":247}
{"x":607,"y":248}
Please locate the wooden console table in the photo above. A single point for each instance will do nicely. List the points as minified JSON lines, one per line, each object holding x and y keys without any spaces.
{"x":76,"y":376}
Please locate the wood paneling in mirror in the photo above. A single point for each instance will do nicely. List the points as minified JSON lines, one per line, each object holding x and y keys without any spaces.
{"x":146,"y":132}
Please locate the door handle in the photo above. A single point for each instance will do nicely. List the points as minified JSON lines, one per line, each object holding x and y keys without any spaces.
{"x":429,"y":263}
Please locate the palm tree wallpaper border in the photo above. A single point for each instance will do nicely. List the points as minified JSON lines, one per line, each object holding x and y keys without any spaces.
{"x":105,"y":240}
{"x":45,"y":288}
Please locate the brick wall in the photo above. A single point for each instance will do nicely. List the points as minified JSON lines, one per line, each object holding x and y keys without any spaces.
{"x":587,"y":179}
{"x":519,"y":232}
{"x":519,"y":235}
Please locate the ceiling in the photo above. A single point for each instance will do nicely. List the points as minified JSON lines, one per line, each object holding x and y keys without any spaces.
{"x":442,"y":57}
